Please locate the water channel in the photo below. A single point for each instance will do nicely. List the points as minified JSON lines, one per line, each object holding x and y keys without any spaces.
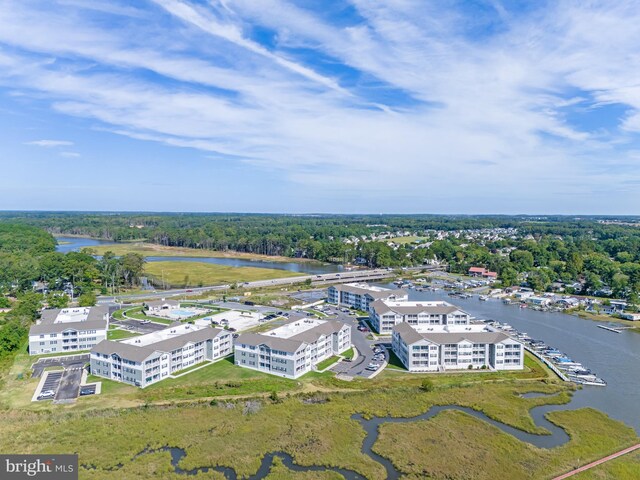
{"x":72,"y":244}
{"x":612,"y":356}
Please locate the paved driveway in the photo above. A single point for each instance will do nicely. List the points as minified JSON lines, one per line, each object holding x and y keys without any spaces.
{"x":360,"y":341}
{"x":69,"y":384}
{"x":70,"y":361}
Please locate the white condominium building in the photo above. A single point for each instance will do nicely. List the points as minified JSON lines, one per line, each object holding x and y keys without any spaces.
{"x":362,"y":295}
{"x":426,"y":348}
{"x":149,"y":358}
{"x":294,"y":348}
{"x":385,"y":314}
{"x":68,"y":330}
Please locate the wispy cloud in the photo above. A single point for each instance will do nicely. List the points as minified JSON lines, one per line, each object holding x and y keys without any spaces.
{"x":70,"y":154}
{"x":465,"y":91}
{"x":50,"y":143}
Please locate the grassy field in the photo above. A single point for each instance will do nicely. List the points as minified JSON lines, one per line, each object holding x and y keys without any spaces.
{"x":194,"y":274}
{"x":153,"y":250}
{"x":211,"y":412}
{"x":316,"y":428}
{"x":626,"y":467}
{"x":432,"y":447}
{"x":403,"y":240}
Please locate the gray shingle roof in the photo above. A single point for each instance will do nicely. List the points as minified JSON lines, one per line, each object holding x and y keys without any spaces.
{"x":275,"y":343}
{"x":410,"y":335}
{"x":159,"y":303}
{"x":139,"y":353}
{"x":381,"y":307}
{"x":293,"y":343}
{"x":97,"y":319}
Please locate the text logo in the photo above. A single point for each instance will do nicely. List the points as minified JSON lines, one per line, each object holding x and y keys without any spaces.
{"x":45,"y":467}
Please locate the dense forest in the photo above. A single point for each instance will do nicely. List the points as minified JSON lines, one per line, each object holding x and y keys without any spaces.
{"x":601,"y":253}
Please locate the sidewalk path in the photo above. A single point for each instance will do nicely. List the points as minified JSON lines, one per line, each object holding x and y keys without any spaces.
{"x":598,"y":462}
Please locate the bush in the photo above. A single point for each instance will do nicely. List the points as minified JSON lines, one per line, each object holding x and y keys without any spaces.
{"x":427,"y":385}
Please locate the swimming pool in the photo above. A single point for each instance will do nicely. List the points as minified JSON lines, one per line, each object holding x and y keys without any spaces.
{"x":182,"y":312}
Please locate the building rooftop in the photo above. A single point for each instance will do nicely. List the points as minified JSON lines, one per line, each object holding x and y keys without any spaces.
{"x":138,"y":349}
{"x":434,"y":308}
{"x":442,"y":334}
{"x":292,"y":335}
{"x":57,"y":320}
{"x":372,"y":290}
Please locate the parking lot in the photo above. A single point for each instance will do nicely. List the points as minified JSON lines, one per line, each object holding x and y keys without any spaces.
{"x":65,"y":362}
{"x":64,"y":385}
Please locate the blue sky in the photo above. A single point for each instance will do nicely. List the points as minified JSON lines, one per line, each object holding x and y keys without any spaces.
{"x":368,"y":106}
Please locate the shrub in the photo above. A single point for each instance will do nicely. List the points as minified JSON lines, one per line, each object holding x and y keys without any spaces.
{"x":427,"y":385}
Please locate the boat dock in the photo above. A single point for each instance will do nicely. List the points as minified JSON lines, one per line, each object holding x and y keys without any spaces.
{"x":611,"y":329}
{"x":551,"y":366}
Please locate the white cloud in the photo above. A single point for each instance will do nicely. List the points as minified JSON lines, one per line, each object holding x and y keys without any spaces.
{"x":50,"y":143}
{"x":484,"y":110}
{"x":70,"y":154}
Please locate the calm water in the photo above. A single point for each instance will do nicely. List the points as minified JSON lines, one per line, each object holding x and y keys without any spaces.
{"x":76,"y":243}
{"x":613,"y":357}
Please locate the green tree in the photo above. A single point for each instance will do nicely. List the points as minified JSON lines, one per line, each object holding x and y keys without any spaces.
{"x":87,"y":299}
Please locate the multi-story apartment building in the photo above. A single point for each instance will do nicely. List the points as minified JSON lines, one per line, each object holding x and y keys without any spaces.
{"x":425,"y":348}
{"x":362,"y":295}
{"x":385,"y":315}
{"x":147,"y":359}
{"x":293,"y":349}
{"x":68,"y":330}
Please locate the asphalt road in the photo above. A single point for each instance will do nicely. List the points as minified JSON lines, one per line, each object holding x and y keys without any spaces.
{"x":360,"y":342}
{"x":342,"y":277}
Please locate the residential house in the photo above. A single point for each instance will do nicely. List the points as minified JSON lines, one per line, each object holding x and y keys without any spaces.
{"x":385,"y":315}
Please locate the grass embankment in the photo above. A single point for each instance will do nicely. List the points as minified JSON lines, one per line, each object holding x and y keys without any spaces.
{"x":153,"y":250}
{"x":349,"y":353}
{"x":194,"y":274}
{"x":326,"y":363}
{"x":601,"y":318}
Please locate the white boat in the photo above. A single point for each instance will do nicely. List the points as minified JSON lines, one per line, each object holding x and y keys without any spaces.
{"x":483,"y":298}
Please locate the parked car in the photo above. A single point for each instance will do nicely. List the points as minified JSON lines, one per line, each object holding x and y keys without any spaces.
{"x":87,"y":391}
{"x":46,"y":395}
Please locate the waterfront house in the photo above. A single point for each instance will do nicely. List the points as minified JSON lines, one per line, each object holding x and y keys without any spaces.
{"x":426,"y":348}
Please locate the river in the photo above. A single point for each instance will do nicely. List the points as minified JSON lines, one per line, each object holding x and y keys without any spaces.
{"x":72,"y":244}
{"x":612,"y":356}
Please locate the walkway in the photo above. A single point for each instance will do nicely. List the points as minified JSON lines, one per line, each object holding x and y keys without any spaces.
{"x":598,"y":462}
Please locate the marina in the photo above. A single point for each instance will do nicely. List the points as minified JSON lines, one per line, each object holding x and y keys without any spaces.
{"x":612,"y":357}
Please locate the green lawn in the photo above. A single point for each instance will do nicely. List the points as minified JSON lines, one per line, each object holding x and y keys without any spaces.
{"x":349,"y":353}
{"x":118,"y":334}
{"x":193,"y":274}
{"x":222,"y":378}
{"x":188,"y":369}
{"x":326,"y":363}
